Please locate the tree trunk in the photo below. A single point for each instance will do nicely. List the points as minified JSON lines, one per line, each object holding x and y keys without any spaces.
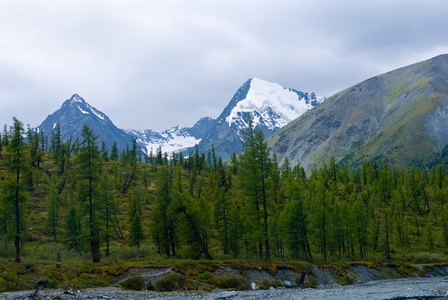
{"x":197,"y":235}
{"x":17,"y":215}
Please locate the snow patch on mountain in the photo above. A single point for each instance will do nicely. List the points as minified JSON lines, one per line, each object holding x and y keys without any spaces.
{"x":170,"y":141}
{"x":173,"y":145}
{"x":96,"y":113}
{"x":271,"y":105}
{"x":83,"y":111}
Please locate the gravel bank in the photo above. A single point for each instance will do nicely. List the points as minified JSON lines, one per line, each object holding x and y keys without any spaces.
{"x":415,"y":288}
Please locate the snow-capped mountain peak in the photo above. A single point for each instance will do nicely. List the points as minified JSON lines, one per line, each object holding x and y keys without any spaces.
{"x":85,"y":108}
{"x":270,"y":104}
{"x":76,"y":98}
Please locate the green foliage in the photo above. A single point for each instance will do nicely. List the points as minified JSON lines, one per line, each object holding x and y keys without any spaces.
{"x":14,"y":187}
{"x":52,"y":283}
{"x":264,"y":284}
{"x":170,"y":282}
{"x":229,"y":282}
{"x":74,"y":201}
{"x":89,"y":167}
{"x":278,"y":284}
{"x":136,"y":231}
{"x":428,"y":258}
{"x":310,"y":283}
{"x":135,"y":283}
{"x":87,"y":280}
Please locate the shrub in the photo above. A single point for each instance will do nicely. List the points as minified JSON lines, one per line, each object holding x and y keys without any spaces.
{"x":311,"y":283}
{"x":201,"y":281}
{"x":86,"y":280}
{"x":6,"y":250}
{"x":264,"y":284}
{"x":133,"y":283}
{"x":229,"y":282}
{"x":4,"y":285}
{"x":47,"y":251}
{"x":278,"y":284}
{"x":426,"y":258}
{"x":52,"y":283}
{"x":170,"y":282}
{"x":127,"y":253}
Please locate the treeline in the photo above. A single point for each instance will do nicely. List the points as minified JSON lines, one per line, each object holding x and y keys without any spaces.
{"x":78,"y":194}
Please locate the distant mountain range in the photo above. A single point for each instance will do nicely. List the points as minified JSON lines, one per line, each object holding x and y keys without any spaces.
{"x":272,"y":106}
{"x":399,"y":118}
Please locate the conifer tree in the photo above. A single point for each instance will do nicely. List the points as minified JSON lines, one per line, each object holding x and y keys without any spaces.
{"x":360,"y":221}
{"x":53,"y":208}
{"x":294,"y":226}
{"x":114,"y":152}
{"x":130,"y":167}
{"x":254,"y":174}
{"x":13,"y":187}
{"x":110,"y":210}
{"x":73,"y":228}
{"x":34,"y":150}
{"x":222,"y":215}
{"x":56,"y":143}
{"x":163,"y":221}
{"x":136,"y":231}
{"x":104,"y":155}
{"x":89,"y":167}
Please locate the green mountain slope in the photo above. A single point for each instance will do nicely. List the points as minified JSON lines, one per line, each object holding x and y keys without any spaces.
{"x":400,"y":117}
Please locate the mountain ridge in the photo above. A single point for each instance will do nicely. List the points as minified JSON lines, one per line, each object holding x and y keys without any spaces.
{"x":272,"y":105}
{"x":389,"y":118}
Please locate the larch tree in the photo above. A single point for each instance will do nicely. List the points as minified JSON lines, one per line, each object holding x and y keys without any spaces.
{"x":254,"y":176}
{"x":53,"y":208}
{"x":14,"y":189}
{"x":163,"y":221}
{"x":89,"y":167}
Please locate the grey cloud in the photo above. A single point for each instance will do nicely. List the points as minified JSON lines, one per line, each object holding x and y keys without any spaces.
{"x":156,"y":64}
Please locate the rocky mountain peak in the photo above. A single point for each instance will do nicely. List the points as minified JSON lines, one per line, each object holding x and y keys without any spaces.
{"x":76,"y":98}
{"x":75,"y":113}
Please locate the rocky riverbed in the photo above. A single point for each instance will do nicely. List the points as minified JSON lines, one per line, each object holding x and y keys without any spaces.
{"x":410,"y":288}
{"x":354,"y":281}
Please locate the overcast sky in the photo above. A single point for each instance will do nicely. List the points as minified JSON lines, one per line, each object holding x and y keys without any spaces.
{"x":156,"y":64}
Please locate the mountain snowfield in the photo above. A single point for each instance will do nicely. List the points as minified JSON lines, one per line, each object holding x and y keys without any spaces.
{"x":173,"y":140}
{"x":271,"y":104}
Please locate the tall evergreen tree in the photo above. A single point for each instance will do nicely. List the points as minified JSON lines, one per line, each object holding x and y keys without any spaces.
{"x":294,"y":226}
{"x":53,"y":208}
{"x":89,"y":167}
{"x":14,"y":188}
{"x":163,"y":221}
{"x":254,"y":176}
{"x":136,"y":231}
{"x":73,"y":228}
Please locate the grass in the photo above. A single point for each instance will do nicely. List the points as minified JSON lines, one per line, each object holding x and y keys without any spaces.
{"x":202,"y":276}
